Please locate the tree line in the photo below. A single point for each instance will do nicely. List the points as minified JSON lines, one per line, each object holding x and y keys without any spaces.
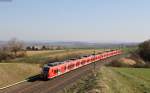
{"x":44,"y":47}
{"x":15,"y":48}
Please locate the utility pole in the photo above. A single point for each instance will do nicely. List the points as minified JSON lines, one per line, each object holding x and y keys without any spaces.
{"x":94,"y":62}
{"x":94,"y":65}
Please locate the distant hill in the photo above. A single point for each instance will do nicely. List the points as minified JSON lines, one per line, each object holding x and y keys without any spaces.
{"x":74,"y":44}
{"x":78,"y":44}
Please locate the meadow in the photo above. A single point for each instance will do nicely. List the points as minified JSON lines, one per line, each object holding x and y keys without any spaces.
{"x":114,"y":80}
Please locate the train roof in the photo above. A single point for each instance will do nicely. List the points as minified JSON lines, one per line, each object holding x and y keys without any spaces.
{"x":54,"y":63}
{"x":82,"y":56}
{"x":73,"y":59}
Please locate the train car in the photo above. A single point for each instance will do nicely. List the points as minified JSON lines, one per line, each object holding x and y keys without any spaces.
{"x":55,"y":69}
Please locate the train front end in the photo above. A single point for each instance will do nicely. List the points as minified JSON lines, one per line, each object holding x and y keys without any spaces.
{"x":45,"y":72}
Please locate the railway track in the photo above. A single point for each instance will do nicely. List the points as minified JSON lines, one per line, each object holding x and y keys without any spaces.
{"x":56,"y":85}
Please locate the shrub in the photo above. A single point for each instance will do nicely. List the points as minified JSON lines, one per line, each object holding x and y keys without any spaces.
{"x":116,"y":63}
{"x":4,"y":55}
{"x":142,"y":65}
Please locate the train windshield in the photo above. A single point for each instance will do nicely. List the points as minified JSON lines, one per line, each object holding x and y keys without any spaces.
{"x":45,"y":69}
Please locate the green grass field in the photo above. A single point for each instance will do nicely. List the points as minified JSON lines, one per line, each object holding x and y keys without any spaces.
{"x":114,"y":80}
{"x":128,"y":50}
{"x":137,"y":78}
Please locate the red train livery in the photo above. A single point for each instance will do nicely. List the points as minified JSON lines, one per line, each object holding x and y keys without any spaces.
{"x":55,"y":69}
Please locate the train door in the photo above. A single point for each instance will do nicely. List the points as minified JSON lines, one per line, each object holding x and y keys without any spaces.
{"x":56,"y":72}
{"x":51,"y":72}
{"x":62,"y":69}
{"x":77,"y":64}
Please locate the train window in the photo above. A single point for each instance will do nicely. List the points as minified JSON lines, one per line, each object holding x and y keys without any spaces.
{"x":83,"y":62}
{"x":64,"y":67}
{"x":78,"y":63}
{"x":45,"y":69}
{"x":56,"y":71}
{"x":69,"y":67}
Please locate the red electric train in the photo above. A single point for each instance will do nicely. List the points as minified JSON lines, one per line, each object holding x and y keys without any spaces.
{"x":55,"y":69}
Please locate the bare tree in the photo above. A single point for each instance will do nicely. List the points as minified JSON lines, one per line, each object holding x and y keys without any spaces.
{"x":4,"y":52}
{"x":15,"y":45}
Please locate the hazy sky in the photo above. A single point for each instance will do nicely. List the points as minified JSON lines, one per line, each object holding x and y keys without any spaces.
{"x":75,"y":20}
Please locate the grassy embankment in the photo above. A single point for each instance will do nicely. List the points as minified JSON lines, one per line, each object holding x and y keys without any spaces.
{"x":114,"y":80}
{"x":15,"y":70}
